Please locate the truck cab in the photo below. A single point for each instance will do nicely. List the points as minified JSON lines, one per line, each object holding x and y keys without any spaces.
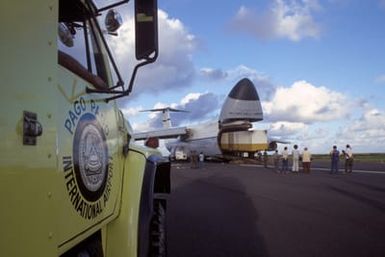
{"x":71,"y":181}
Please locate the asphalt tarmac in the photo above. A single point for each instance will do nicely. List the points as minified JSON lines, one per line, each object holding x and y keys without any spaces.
{"x":242,"y":210}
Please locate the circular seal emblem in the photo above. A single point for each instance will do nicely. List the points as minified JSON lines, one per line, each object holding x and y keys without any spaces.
{"x":90,"y":156}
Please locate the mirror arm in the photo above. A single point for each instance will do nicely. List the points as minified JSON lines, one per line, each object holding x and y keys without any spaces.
{"x":102,"y":91}
{"x":147,"y":61}
{"x":126,"y":92}
{"x":106,"y":91}
{"x":131,"y":84}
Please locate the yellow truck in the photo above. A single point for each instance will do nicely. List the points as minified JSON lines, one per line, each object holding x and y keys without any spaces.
{"x":71,"y":181}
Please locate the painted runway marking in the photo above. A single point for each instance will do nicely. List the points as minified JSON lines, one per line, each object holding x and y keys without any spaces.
{"x":358,"y":171}
{"x":323,"y":169}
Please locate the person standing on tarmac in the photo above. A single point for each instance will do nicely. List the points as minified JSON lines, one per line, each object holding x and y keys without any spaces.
{"x":306,"y":160}
{"x":335,"y":158}
{"x":276,"y":161}
{"x":348,"y":159}
{"x":194,"y":159}
{"x":285,"y":161}
{"x":201,"y":159}
{"x":265,"y":157}
{"x":295,"y":154}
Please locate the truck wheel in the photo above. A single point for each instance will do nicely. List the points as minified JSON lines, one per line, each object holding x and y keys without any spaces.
{"x":158,"y":245}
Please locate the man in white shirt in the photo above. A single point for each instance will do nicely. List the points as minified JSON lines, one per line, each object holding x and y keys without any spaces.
{"x":348,"y":159}
{"x":295,"y":154}
{"x":285,"y":160}
{"x":201,"y":159}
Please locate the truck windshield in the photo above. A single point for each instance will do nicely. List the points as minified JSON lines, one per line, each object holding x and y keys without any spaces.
{"x":87,"y":46}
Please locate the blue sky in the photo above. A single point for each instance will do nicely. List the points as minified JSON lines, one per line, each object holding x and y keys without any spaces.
{"x":318,"y":66}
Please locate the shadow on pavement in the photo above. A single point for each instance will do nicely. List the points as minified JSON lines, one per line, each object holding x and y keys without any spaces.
{"x":368,"y":186}
{"x":213,"y":217}
{"x":355,"y":196}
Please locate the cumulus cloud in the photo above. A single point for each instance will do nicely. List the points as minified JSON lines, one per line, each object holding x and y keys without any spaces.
{"x":199,"y":107}
{"x":304,"y":102}
{"x":291,"y":19}
{"x":213,"y":74}
{"x":372,"y":119}
{"x":131,"y":111}
{"x":261,"y":81}
{"x":367,"y":133}
{"x":173,"y":68}
{"x":284,"y":129}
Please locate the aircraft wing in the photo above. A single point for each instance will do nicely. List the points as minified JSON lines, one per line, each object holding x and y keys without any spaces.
{"x":162,"y":133}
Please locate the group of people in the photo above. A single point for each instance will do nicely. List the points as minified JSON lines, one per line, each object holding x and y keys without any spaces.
{"x":305,"y":157}
{"x":197,"y":159}
{"x":335,"y":159}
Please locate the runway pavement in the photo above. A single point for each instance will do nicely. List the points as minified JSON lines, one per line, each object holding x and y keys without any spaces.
{"x":234,"y":210}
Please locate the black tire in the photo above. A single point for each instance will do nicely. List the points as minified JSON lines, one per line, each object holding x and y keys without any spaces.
{"x":158,"y":230}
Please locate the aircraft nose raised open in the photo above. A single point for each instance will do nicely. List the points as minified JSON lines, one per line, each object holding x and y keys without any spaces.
{"x":244,"y":90}
{"x":242,"y":104}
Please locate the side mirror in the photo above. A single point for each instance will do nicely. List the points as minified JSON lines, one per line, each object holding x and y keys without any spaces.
{"x":113,"y":21}
{"x":65,"y":35}
{"x":146,"y":30}
{"x":146,"y":41}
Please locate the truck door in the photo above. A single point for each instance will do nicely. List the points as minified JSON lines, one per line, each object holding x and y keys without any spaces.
{"x":89,"y":141}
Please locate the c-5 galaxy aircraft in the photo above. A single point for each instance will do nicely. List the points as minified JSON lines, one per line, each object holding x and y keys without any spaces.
{"x":231,"y":134}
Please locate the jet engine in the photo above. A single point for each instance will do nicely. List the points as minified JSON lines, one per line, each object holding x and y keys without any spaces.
{"x":272,"y":146}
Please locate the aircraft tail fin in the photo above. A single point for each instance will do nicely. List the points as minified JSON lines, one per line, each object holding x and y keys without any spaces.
{"x":166,"y":121}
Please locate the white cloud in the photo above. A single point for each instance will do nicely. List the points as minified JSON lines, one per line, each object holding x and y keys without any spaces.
{"x":190,"y":98}
{"x":285,"y":19}
{"x":261,"y":81}
{"x":131,"y":111}
{"x":372,"y":120}
{"x":304,"y":102}
{"x":314,"y":117}
{"x":173,"y":68}
{"x":285,"y":129}
{"x":213,"y":74}
{"x":199,"y":106}
{"x":366,"y":134}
